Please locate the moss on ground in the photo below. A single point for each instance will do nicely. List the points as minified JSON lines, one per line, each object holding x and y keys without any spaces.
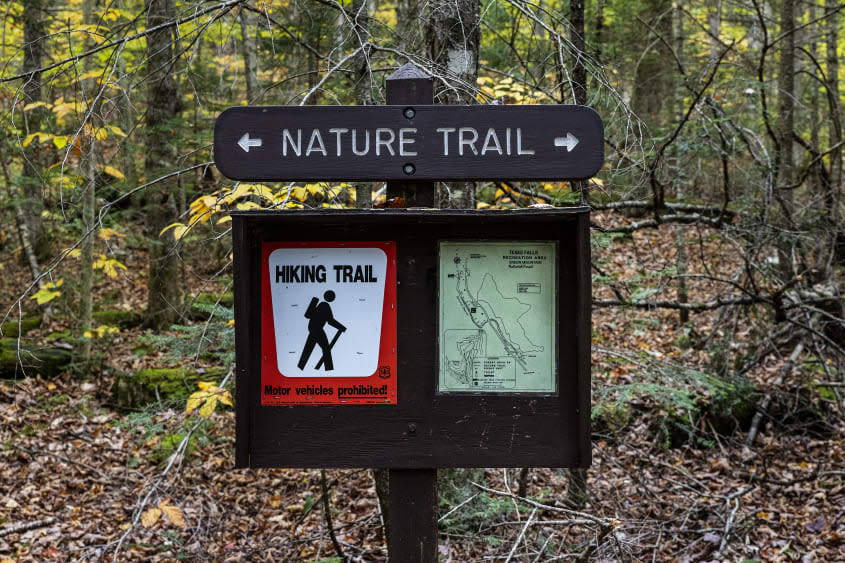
{"x":119,"y":318}
{"x":48,"y":362}
{"x":134,"y":390}
{"x":10,"y":328}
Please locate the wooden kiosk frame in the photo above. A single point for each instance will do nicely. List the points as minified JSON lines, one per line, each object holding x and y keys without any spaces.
{"x":424,"y":429}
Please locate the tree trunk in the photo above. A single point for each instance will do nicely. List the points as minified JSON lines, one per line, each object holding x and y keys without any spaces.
{"x":834,"y":127}
{"x":785,"y":126}
{"x":653,"y":76}
{"x":680,"y":237}
{"x":600,"y":27}
{"x":249,"y":50}
{"x":363,"y":83}
{"x":714,"y":25}
{"x":577,"y":490}
{"x":163,"y":106}
{"x":410,"y":26}
{"x":579,"y":72}
{"x":88,"y":163}
{"x":454,"y":36}
{"x":34,"y":30}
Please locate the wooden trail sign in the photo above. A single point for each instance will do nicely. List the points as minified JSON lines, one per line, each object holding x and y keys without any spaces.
{"x":491,"y":338}
{"x":409,"y":142}
{"x":445,"y":338}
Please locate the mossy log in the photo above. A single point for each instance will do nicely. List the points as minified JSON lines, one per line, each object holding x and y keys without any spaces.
{"x":134,"y":390}
{"x":32,"y":360}
{"x":119,"y":318}
{"x":10,"y":328}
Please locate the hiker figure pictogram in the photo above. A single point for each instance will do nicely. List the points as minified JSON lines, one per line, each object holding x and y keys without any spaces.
{"x":319,"y":315}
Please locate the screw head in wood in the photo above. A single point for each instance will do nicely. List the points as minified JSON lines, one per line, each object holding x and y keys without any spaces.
{"x":409,"y":169}
{"x":409,"y":113}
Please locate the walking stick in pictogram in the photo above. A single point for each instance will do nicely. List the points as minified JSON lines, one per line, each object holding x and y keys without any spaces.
{"x":331,"y":345}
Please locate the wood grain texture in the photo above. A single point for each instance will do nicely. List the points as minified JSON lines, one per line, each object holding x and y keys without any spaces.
{"x":540,"y":125}
{"x":423,"y":430}
{"x":413,"y":516}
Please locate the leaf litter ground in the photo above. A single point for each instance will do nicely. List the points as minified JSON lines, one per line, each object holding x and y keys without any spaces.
{"x":79,"y":481}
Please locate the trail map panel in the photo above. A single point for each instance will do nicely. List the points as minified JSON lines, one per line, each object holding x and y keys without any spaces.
{"x":497,"y":317}
{"x":329,"y":323}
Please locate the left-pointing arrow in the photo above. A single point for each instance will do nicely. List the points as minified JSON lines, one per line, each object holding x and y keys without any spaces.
{"x":245,"y":142}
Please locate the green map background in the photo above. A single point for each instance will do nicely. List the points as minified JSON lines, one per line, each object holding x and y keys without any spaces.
{"x":497,"y":317}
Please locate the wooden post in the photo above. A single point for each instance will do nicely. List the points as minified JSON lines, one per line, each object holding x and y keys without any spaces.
{"x":412,"y":536}
{"x":408,"y":86}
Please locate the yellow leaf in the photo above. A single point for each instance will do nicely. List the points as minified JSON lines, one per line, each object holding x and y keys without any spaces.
{"x":299,"y":193}
{"x":178,"y":230}
{"x":173,"y":513}
{"x":195,"y":401}
{"x":107,"y":234}
{"x":208,"y":407}
{"x":108,"y":265}
{"x":150,"y":517}
{"x":48,"y":292}
{"x":205,"y":400}
{"x":114,"y":172}
{"x":90,"y":74}
{"x":116,"y":130}
{"x":247,"y":205}
{"x":60,"y":141}
{"x":226,"y":398}
{"x":203,"y":204}
{"x":29,"y":138}
{"x":224,"y":219}
{"x":34,"y":105}
{"x":63,"y":109}
{"x":75,"y":253}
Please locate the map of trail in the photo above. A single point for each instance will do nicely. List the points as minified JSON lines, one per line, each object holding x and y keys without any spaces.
{"x":497,"y":304}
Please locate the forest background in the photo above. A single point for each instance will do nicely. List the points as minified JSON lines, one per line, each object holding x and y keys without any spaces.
{"x":718,"y":248}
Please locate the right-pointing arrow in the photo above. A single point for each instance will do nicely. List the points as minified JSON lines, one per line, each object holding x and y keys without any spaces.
{"x":569,"y":141}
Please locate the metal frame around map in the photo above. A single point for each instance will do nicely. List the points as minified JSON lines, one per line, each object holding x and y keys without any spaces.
{"x":424,"y":429}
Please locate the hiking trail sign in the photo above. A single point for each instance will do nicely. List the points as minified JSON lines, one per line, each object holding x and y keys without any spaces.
{"x":329,"y":323}
{"x":409,"y":142}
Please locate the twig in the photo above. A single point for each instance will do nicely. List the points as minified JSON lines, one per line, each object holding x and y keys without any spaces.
{"x":457,"y":508}
{"x":758,"y":416}
{"x":696,"y":307}
{"x":26,"y":526}
{"x":327,"y":511}
{"x":521,"y":534}
{"x":595,"y":519}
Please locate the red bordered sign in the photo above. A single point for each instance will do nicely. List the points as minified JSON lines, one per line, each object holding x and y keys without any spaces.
{"x":328,"y":323}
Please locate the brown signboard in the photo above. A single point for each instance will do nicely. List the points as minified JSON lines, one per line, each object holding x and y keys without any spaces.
{"x":414,"y":142}
{"x":476,"y":324}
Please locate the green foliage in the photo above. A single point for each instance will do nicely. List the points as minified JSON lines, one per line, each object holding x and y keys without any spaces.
{"x":213,"y":340}
{"x":682,"y":395}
